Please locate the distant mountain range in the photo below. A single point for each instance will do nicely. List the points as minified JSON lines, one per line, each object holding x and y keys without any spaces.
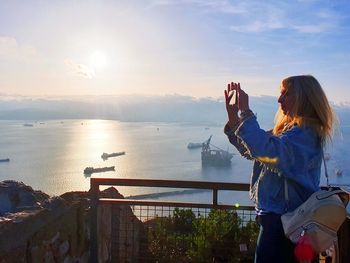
{"x":169,"y":108}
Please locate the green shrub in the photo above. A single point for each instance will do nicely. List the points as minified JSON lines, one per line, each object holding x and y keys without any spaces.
{"x":183,"y":237}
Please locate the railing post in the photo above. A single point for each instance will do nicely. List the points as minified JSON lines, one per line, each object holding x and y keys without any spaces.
{"x":94,"y":192}
{"x":215,"y":196}
{"x":115,"y":230}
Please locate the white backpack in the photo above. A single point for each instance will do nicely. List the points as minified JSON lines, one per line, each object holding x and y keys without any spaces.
{"x":318,"y":218}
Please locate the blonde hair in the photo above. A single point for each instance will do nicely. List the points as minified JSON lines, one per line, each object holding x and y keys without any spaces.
{"x":311,"y":108}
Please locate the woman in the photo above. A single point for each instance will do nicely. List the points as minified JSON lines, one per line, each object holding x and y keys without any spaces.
{"x":288,"y":157}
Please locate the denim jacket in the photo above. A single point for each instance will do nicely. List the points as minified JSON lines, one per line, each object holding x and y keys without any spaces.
{"x":294,"y":156}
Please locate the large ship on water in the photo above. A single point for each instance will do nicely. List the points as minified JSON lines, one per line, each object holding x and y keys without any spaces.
{"x":215,"y":157}
{"x":90,"y":170}
{"x":105,"y":156}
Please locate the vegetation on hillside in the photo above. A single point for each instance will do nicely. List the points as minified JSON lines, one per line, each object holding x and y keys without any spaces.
{"x":216,"y":237}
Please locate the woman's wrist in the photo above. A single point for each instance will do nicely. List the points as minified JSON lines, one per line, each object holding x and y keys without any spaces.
{"x":233,"y":124}
{"x":230,"y":128}
{"x":233,"y":120}
{"x":245,"y":114}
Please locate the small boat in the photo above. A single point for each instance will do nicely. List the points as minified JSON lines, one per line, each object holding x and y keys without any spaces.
{"x":90,"y":170}
{"x":194,"y":145}
{"x":4,"y":160}
{"x":105,"y":156}
{"x":28,"y":125}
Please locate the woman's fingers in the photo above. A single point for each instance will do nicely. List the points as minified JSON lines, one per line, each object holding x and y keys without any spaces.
{"x":234,"y":89}
{"x":241,"y":98}
{"x":226,"y":98}
{"x":228,"y":94}
{"x":234,"y":86}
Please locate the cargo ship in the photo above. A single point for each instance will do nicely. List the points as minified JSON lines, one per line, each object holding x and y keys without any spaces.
{"x":105,"y":156}
{"x":90,"y":170}
{"x":215,"y":157}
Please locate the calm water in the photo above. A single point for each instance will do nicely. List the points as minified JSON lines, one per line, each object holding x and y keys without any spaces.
{"x":51,"y":156}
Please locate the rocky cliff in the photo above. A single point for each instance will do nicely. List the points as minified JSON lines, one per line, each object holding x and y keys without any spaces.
{"x":35,"y":227}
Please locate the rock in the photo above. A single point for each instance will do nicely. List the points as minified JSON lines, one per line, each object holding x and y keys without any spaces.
{"x":16,"y":196}
{"x":35,"y":227}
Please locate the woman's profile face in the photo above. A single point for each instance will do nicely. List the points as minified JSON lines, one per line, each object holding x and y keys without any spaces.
{"x":287,"y":101}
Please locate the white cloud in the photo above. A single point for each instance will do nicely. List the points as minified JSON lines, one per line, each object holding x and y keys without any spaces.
{"x":257,"y":26}
{"x":257,"y":16}
{"x":263,"y":26}
{"x":220,"y":6}
{"x":10,"y":48}
{"x":79,"y":69}
{"x":311,"y":28}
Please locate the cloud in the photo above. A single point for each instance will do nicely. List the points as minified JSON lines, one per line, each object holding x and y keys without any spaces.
{"x":312,"y":28}
{"x":10,"y":48}
{"x":213,"y":6}
{"x":257,"y":26}
{"x":79,"y":69}
{"x":220,"y":6}
{"x":257,"y":16}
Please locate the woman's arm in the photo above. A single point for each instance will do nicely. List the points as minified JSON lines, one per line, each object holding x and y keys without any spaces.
{"x":233,"y":105}
{"x":234,"y":140}
{"x":288,"y":154}
{"x":248,"y":138}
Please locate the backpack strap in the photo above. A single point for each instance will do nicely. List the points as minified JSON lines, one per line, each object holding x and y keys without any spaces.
{"x":325,"y":168}
{"x":286,"y":194}
{"x":329,"y":193}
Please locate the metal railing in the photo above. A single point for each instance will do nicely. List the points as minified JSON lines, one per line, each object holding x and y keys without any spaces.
{"x":166,"y":212}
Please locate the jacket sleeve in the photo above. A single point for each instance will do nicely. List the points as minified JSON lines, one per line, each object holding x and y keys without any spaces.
{"x":286,"y":155}
{"x":236,"y":141}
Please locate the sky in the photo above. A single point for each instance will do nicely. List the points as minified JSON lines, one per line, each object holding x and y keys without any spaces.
{"x":194,"y":48}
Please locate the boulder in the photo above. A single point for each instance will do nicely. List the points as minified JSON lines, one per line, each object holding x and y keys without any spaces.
{"x":16,"y":196}
{"x":35,"y":227}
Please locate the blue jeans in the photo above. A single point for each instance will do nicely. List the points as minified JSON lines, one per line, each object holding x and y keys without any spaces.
{"x":272,"y":245}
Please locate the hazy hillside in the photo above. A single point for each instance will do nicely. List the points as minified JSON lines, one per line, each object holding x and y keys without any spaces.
{"x":169,"y":108}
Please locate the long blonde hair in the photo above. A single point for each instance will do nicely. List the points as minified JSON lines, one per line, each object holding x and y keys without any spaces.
{"x":311,"y":108}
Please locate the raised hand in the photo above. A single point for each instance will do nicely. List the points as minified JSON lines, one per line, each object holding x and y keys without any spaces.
{"x":236,"y":100}
{"x":231,"y":106}
{"x":242,"y":98}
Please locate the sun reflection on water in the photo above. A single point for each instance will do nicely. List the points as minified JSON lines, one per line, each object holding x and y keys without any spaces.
{"x":87,"y":143}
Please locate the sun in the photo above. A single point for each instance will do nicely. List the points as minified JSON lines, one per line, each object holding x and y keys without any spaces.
{"x":98,"y":59}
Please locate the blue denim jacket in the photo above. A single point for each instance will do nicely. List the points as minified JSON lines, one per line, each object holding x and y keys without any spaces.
{"x":295,"y":156}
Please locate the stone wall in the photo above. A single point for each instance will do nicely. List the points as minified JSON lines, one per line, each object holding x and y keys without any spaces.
{"x":37,"y":228}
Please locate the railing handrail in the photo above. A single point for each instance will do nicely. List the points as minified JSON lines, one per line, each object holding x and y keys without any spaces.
{"x":96,"y":182}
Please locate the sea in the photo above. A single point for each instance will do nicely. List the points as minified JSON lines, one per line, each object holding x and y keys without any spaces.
{"x":51,"y":155}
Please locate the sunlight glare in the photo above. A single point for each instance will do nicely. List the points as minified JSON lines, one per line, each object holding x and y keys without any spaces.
{"x":98,"y":59}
